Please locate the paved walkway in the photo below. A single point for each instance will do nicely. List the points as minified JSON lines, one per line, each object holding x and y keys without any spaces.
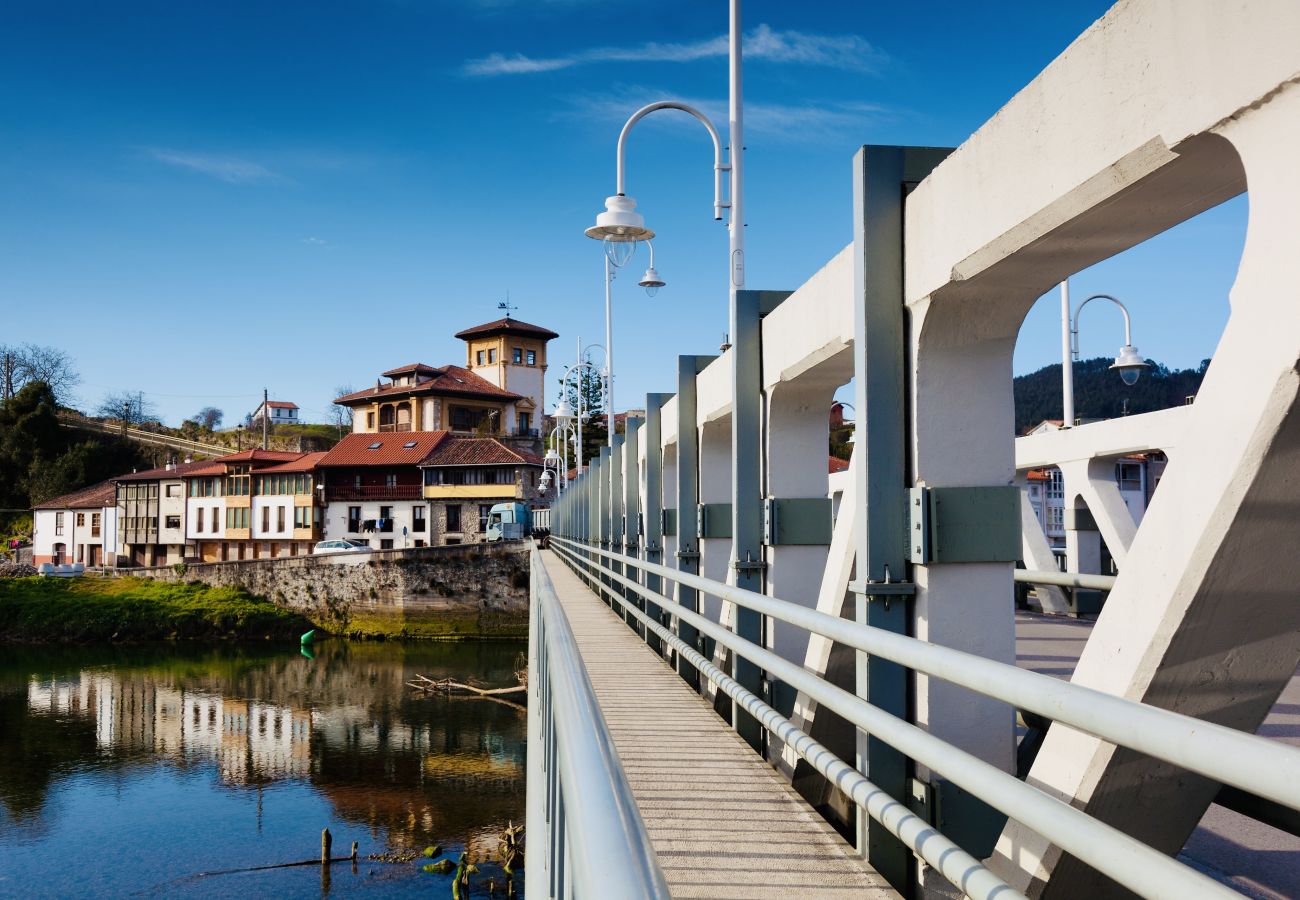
{"x":722,"y":821}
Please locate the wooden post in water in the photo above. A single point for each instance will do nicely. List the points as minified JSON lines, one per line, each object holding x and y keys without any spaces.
{"x":326,"y":843}
{"x":354,"y":851}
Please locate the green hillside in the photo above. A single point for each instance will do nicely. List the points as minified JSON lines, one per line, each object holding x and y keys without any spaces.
{"x":1100,"y":394}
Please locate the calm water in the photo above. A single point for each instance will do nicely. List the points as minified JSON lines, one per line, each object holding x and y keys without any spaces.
{"x":126,"y":772}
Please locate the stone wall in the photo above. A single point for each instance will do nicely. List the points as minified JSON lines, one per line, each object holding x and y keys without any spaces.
{"x":469,"y":591}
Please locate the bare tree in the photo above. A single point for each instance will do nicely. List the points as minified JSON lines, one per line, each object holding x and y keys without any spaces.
{"x":129,"y":408}
{"x":22,"y":364}
{"x":341,"y":416}
{"x":209,"y":418}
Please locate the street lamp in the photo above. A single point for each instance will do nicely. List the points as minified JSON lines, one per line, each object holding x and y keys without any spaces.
{"x":1128,"y":363}
{"x":651,"y":280}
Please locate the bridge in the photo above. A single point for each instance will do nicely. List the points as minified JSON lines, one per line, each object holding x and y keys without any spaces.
{"x":752,"y":678}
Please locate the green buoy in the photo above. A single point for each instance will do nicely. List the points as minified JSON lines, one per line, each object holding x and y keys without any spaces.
{"x":308,"y":637}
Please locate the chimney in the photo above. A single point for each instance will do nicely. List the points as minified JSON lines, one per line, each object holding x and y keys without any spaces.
{"x":376,"y":385}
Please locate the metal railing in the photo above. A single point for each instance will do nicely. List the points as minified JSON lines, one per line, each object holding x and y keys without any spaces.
{"x":586,"y":838}
{"x":1261,"y":767}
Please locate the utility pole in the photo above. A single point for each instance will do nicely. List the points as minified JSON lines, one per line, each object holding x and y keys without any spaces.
{"x":7,"y":385}
{"x":266,"y":419}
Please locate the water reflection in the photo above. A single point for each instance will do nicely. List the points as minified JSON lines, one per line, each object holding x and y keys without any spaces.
{"x":406,"y":770}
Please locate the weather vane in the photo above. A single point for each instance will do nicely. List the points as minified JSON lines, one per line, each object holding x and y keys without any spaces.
{"x":505,"y":304}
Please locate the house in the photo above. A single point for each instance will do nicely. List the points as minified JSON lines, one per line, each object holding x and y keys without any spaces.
{"x":79,"y":527}
{"x":151,"y":527}
{"x":276,"y":412}
{"x":500,"y":391}
{"x":420,"y":488}
{"x":1136,"y":476}
{"x":511,"y":355}
{"x":465,"y":477}
{"x":224,"y":508}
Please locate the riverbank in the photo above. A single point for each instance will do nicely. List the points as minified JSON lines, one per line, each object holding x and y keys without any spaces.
{"x":95,"y":609}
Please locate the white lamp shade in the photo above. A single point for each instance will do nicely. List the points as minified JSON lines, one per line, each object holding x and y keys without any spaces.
{"x":1129,"y":364}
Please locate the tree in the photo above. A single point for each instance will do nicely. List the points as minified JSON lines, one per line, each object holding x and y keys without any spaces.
{"x":1100,"y":394}
{"x":209,"y":418}
{"x":129,"y":408}
{"x":341,"y":416}
{"x":23,"y":364}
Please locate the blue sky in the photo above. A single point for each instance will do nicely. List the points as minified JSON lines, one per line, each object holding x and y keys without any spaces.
{"x":204,"y":199}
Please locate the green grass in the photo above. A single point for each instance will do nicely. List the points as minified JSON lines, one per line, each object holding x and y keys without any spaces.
{"x":93,"y":608}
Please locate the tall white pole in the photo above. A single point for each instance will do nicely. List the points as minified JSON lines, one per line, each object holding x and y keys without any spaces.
{"x":578,"y":455}
{"x":1067,"y":359}
{"x":736,"y":226}
{"x":609,"y":354}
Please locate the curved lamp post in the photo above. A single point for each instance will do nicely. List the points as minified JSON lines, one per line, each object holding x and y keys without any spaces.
{"x":1128,"y":363}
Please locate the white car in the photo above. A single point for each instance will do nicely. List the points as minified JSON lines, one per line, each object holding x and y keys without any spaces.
{"x":340,"y":546}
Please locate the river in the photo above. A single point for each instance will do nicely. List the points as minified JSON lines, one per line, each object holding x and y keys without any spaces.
{"x":129,"y":771}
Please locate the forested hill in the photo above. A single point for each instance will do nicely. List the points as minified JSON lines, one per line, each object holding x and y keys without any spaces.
{"x":1099,"y":393}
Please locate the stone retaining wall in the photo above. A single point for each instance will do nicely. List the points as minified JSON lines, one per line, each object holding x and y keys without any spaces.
{"x":468,"y":591}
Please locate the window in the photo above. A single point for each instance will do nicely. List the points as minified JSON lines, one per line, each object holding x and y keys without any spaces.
{"x":302,"y":517}
{"x":409,"y":445}
{"x":279,"y":518}
{"x":386,"y":516}
{"x":484,"y":511}
{"x":266,"y":519}
{"x":417,"y":518}
{"x":58,"y":523}
{"x":370,"y":420}
{"x":453,"y":518}
{"x":354,"y":519}
{"x":173,"y":490}
{"x":376,"y":445}
{"x":1056,"y":487}
{"x":518,"y":355}
{"x":170,"y":522}
{"x":1128,"y":475}
{"x":81,"y":520}
{"x":198,"y":520}
{"x":390,"y":480}
{"x":95,"y":521}
{"x":237,"y":517}
{"x":532,"y":357}
{"x":478,"y":357}
{"x":525,"y":422}
{"x":356,"y":481}
{"x":386,"y":544}
{"x":492,"y":356}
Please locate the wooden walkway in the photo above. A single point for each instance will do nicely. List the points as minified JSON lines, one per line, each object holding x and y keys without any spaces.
{"x":722,"y":821}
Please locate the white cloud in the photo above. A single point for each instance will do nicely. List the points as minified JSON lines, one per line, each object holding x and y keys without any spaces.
{"x":230,"y":169}
{"x":849,"y":51}
{"x":315,"y":241}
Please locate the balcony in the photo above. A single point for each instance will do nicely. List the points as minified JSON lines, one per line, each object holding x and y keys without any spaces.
{"x":390,"y":427}
{"x":373,"y":492}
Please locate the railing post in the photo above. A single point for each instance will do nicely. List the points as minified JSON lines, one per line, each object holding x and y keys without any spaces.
{"x":688,"y":460}
{"x":653,"y":506}
{"x":631,"y":509}
{"x":883,"y":588}
{"x":747,"y":496}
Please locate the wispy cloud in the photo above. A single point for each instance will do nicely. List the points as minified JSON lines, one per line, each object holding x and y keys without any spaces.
{"x":230,"y":169}
{"x":850,"y":52}
{"x":315,"y":241}
{"x":785,"y":122}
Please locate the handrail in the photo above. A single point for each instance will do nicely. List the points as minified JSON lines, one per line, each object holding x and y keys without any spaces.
{"x":1066,"y":579}
{"x":1101,"y":846}
{"x":1258,"y":765}
{"x":582,"y":790}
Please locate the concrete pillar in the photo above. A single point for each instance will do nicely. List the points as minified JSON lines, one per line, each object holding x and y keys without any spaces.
{"x":715,"y":487}
{"x":1038,"y":555}
{"x":797,"y":434}
{"x":1203,"y":619}
{"x":1094,"y":481}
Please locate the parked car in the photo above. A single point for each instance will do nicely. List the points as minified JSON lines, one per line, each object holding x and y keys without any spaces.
{"x":340,"y":546}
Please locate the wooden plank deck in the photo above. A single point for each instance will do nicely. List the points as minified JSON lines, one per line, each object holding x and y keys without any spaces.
{"x":723,"y":822}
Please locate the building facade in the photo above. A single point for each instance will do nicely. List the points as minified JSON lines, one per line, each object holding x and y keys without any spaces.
{"x":276,"y":412}
{"x":76,"y":528}
{"x":511,"y":355}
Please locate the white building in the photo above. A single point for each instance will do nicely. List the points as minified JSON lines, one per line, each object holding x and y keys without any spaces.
{"x":278,"y":412}
{"x":80,"y":527}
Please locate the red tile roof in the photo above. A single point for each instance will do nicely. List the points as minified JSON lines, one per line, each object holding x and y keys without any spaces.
{"x":354,"y":449}
{"x":470,"y":451}
{"x":1038,"y":475}
{"x":282,"y":404}
{"x":506,"y":326}
{"x":413,"y":368}
{"x":305,"y":463}
{"x":97,"y":496}
{"x":451,"y":380}
{"x":215,"y":468}
{"x":257,"y":454}
{"x":836,"y":464}
{"x":164,"y":473}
